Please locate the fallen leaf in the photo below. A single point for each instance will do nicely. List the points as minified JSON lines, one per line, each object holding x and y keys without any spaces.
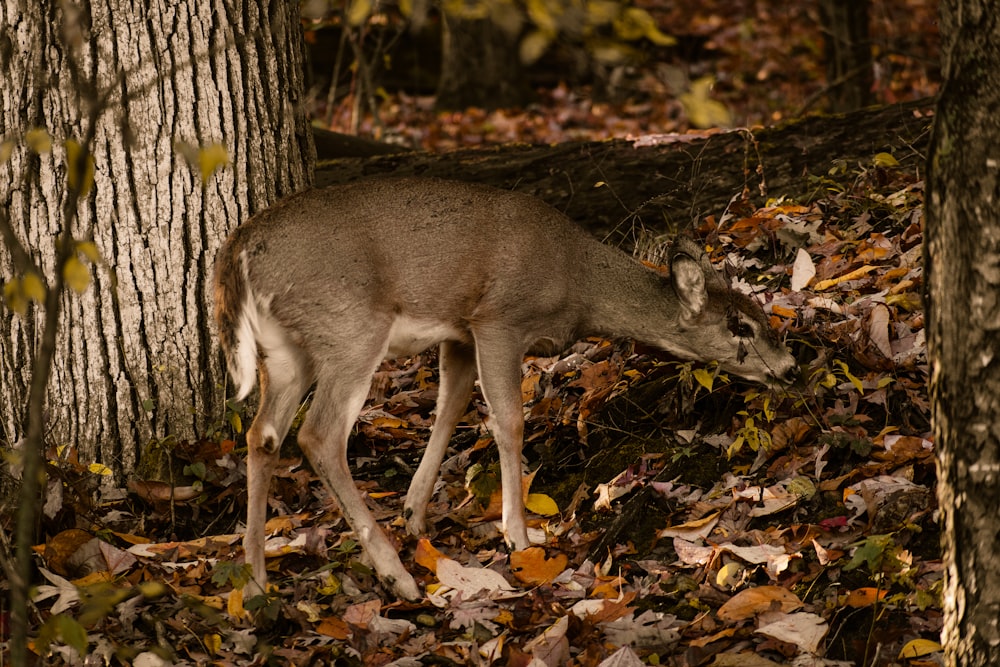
{"x":332,"y":626}
{"x":470,"y":581}
{"x":532,"y":568}
{"x":754,"y":601}
{"x":803,"y":629}
{"x":865,"y":597}
{"x":692,"y":530}
{"x":917,"y":648}
{"x":427,"y":554}
{"x":803,"y":270}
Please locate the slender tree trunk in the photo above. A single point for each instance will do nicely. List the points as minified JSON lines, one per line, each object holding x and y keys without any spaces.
{"x":135,"y":357}
{"x":962,"y":264}
{"x":848,"y":51}
{"x":480,"y":66}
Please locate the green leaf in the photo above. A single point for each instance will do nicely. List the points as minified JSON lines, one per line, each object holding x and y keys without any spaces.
{"x":871,"y":552}
{"x":72,"y":633}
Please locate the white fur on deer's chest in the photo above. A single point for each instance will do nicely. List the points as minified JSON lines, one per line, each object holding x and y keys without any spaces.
{"x":409,"y":335}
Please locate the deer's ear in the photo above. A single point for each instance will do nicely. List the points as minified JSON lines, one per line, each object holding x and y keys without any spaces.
{"x":689,"y":284}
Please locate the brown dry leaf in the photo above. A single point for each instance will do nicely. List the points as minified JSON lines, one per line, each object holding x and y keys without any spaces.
{"x":61,"y":548}
{"x":159,"y":492}
{"x":334,"y":627}
{"x":789,"y":432}
{"x":532,"y":568}
{"x":708,"y":639}
{"x":754,"y":601}
{"x":361,"y":615}
{"x":691,"y":530}
{"x":803,"y":629}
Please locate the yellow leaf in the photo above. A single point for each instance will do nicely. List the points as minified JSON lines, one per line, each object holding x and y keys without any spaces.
{"x":728,"y":575}
{"x":33,"y":287}
{"x":885,"y":160}
{"x":99,"y":469}
{"x":330,"y":586}
{"x":634,"y":23}
{"x":704,"y":378}
{"x":701,"y":109}
{"x":89,"y":250}
{"x":359,"y":11}
{"x":917,"y":648}
{"x":38,"y":140}
{"x":210,"y":158}
{"x":6,"y":150}
{"x":601,"y":12}
{"x":541,"y":15}
{"x":533,"y":46}
{"x":13,"y":295}
{"x":234,"y":605}
{"x":79,"y":167}
{"x":77,"y":275}
{"x":541,"y":504}
{"x":213,"y":642}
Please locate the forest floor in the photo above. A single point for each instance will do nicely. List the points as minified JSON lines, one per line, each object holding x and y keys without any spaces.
{"x":682,"y":517}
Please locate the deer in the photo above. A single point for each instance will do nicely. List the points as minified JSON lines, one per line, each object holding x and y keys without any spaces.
{"x":318,"y":289}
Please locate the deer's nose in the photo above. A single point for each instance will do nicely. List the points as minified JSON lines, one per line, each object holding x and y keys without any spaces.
{"x":790,"y":375}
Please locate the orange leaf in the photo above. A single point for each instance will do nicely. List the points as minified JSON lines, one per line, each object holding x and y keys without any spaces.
{"x":531,"y":567}
{"x":428,"y":555}
{"x":781,"y":311}
{"x":864,"y":597}
{"x":753,"y":601}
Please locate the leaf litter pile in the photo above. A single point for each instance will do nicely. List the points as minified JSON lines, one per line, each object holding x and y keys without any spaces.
{"x":680,"y":517}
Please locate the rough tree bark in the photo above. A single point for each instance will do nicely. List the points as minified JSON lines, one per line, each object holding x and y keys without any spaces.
{"x":671,"y":181}
{"x":962,"y":265}
{"x":136,"y":359}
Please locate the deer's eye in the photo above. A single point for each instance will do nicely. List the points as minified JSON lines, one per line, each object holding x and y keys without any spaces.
{"x":744,"y":330}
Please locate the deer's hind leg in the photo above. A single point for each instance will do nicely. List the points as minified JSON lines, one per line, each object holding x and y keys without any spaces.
{"x":342,"y":386}
{"x":284,"y":378}
{"x":458,"y":375}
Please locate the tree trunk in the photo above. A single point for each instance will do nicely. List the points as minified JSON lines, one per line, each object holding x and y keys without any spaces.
{"x":480,"y":66}
{"x":961,"y":260}
{"x":136,"y":358}
{"x":668,"y":182}
{"x":848,"y":51}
